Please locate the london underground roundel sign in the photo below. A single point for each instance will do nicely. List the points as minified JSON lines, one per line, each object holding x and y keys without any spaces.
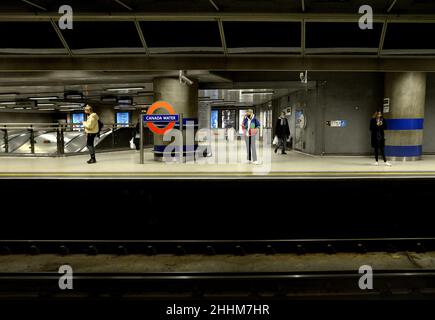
{"x":151,"y":119}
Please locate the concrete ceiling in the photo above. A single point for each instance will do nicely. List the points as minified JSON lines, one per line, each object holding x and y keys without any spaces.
{"x":209,"y":6}
{"x":217,"y":27}
{"x":230,"y":87}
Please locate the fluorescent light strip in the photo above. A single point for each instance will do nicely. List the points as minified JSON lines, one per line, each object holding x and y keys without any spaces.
{"x":258,"y":92}
{"x":43,"y":98}
{"x":45,"y":104}
{"x":9,"y":94}
{"x":125,"y":89}
{"x":46,"y":109}
{"x":74,"y":96}
{"x":71,"y":106}
{"x":8,"y":103}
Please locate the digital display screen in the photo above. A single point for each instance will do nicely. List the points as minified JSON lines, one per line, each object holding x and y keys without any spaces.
{"x":123,"y":117}
{"x":78,"y":118}
{"x":214,"y":119}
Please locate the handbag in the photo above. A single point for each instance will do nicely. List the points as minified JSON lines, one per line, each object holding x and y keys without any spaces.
{"x":132,"y":145}
{"x":275,"y":140}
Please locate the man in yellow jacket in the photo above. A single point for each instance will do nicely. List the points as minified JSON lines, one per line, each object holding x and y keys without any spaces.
{"x":91,"y":128}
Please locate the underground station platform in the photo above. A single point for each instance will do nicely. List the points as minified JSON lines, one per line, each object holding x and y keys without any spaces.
{"x":218,"y":159}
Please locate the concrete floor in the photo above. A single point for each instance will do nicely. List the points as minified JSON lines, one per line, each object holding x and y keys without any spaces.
{"x":294,"y":164}
{"x":218,"y":263}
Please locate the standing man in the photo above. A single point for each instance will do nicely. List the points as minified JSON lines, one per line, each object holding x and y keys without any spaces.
{"x":91,"y":128}
{"x":250,"y":126}
{"x":282,"y":131}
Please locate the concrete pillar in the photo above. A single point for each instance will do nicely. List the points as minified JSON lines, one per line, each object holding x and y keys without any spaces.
{"x":184,"y":100}
{"x":404,"y":135}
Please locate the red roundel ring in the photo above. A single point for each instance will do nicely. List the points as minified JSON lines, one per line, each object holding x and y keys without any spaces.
{"x":158,"y":105}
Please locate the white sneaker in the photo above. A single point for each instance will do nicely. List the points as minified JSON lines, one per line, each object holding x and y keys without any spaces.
{"x":255,"y":162}
{"x":376,"y":163}
{"x":388,"y":164}
{"x":246,"y":161}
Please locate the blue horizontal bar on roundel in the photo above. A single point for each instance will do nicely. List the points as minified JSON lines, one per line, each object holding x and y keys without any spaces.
{"x":160,"y":118}
{"x":405,"y":124}
{"x":403,"y":151}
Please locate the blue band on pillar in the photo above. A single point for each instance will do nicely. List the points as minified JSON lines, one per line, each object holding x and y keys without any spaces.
{"x":405,"y":124}
{"x":403,"y":151}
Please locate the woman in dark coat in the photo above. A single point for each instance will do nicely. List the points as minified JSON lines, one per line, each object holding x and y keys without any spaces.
{"x":377,"y":126}
{"x":136,"y":136}
{"x":282,"y":131}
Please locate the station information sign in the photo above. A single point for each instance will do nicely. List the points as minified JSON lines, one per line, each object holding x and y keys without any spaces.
{"x":156,"y":118}
{"x":336,"y":123}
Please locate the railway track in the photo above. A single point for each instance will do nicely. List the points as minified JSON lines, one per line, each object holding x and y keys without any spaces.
{"x":416,"y":284}
{"x":212,"y":247}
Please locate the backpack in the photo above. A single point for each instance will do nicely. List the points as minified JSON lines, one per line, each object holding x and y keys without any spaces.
{"x":100,"y":127}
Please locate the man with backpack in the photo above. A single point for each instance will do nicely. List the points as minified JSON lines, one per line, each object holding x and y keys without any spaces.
{"x":92,"y":127}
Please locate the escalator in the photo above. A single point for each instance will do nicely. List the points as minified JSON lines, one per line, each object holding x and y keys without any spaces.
{"x":109,"y":140}
{"x":75,"y":142}
{"x":45,"y":143}
{"x":16,"y":138}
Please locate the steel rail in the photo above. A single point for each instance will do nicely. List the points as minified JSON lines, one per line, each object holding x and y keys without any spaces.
{"x":271,"y":285}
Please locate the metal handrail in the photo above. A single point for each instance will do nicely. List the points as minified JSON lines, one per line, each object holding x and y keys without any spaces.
{"x":115,"y":126}
{"x":45,"y":126}
{"x":8,"y":124}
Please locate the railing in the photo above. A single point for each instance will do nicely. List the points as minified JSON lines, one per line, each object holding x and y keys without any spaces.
{"x":59,"y":128}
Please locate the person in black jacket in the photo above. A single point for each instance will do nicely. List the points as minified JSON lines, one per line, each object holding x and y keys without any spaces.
{"x":136,"y":136}
{"x":282,"y":131}
{"x":377,"y":126}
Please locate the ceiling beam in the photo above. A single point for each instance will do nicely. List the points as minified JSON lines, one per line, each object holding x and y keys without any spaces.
{"x":61,"y":37}
{"x":243,"y":63}
{"x":222,"y":34}
{"x":217,"y":15}
{"x":391,"y":6}
{"x":34,"y":5}
{"x":123,"y":5}
{"x":303,"y":5}
{"x":215,"y":6}
{"x":382,"y":40}
{"x":303,"y":37}
{"x":142,"y":37}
